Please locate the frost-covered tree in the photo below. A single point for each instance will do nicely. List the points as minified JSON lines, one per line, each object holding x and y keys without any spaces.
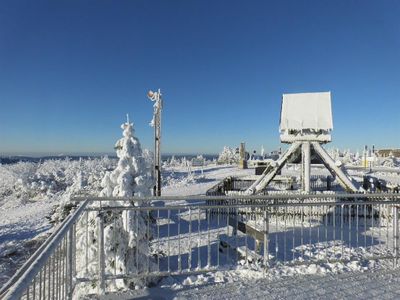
{"x":173,"y":162}
{"x":389,"y":161}
{"x":228,"y":156}
{"x":357,"y":156}
{"x":132,"y":176}
{"x":347,"y":157}
{"x":125,"y":235}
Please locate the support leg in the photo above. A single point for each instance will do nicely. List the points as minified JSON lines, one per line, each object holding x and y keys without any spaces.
{"x":305,"y":166}
{"x":330,"y":164}
{"x":271,"y":171}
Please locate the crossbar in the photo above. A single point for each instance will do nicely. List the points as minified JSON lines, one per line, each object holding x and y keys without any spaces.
{"x":244,"y":197}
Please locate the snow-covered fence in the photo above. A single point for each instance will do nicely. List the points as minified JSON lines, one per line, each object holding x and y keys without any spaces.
{"x":50,"y":272}
{"x":229,"y":184}
{"x":188,"y":235}
{"x":207,"y":233}
{"x":323,"y":183}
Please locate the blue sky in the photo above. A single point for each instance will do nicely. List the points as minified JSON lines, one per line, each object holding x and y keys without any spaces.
{"x":71,"y":70}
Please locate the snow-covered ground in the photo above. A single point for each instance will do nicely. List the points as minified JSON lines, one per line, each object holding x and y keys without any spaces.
{"x":22,"y":229}
{"x":30,"y":194}
{"x":374,"y":284}
{"x":179,"y":183}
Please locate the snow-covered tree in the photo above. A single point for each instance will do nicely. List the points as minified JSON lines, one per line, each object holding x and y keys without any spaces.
{"x":389,"y":161}
{"x":228,"y":156}
{"x":132,"y":176}
{"x":125,"y":235}
{"x":347,"y":157}
{"x":357,"y":156}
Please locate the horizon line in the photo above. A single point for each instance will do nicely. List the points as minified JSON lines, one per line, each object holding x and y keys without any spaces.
{"x":87,"y":154}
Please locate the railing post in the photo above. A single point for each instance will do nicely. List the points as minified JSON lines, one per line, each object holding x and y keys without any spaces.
{"x":70,"y":263}
{"x":101,"y":261}
{"x":395,"y":234}
{"x":235,"y":222}
{"x":266,"y":233}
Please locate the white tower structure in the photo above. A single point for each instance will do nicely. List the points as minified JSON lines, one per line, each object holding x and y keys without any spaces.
{"x":306,"y":123}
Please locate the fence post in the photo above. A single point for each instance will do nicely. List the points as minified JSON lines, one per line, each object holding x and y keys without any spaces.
{"x":266,"y":232}
{"x":396,"y":234}
{"x":101,"y":254}
{"x":328,"y":182}
{"x":70,"y":263}
{"x":235,"y":223}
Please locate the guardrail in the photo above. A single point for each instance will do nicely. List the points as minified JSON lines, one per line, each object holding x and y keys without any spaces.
{"x":186,"y":235}
{"x":49,"y":273}
{"x":317,"y":183}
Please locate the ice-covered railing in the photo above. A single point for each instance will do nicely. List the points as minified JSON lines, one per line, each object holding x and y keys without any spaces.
{"x":207,"y":233}
{"x":50,"y":272}
{"x":189,"y":235}
{"x":232,"y":185}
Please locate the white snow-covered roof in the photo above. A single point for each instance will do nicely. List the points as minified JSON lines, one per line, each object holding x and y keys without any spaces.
{"x":306,"y":111}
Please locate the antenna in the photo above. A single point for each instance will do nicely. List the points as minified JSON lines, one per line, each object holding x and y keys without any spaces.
{"x":156,"y":123}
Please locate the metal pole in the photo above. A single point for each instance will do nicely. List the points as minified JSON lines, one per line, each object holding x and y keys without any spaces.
{"x":396,"y":234}
{"x":155,"y":151}
{"x":70,"y":263}
{"x":101,"y":255}
{"x":158,"y":140}
{"x":156,"y":97}
{"x":266,"y":234}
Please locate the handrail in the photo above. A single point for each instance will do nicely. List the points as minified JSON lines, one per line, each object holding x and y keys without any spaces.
{"x":242,"y":197}
{"x":19,"y":283}
{"x":245,"y":205}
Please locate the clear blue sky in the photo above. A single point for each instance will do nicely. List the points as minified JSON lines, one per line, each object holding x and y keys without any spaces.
{"x":71,"y":70}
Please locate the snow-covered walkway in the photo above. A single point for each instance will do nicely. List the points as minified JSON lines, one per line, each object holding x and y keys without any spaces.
{"x":382,"y":284}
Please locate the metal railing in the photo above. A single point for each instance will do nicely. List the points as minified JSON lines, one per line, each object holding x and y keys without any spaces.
{"x":49,"y":273}
{"x":185,"y":235}
{"x":211,"y":233}
{"x":317,"y":183}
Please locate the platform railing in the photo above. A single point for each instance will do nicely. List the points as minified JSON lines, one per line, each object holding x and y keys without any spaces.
{"x":187,"y":235}
{"x":202,"y":234}
{"x":49,"y":273}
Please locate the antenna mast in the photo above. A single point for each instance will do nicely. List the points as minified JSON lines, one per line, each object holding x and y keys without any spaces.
{"x":156,"y":123}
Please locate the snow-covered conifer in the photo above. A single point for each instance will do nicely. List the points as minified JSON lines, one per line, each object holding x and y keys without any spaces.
{"x":228,"y":156}
{"x":125,"y":235}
